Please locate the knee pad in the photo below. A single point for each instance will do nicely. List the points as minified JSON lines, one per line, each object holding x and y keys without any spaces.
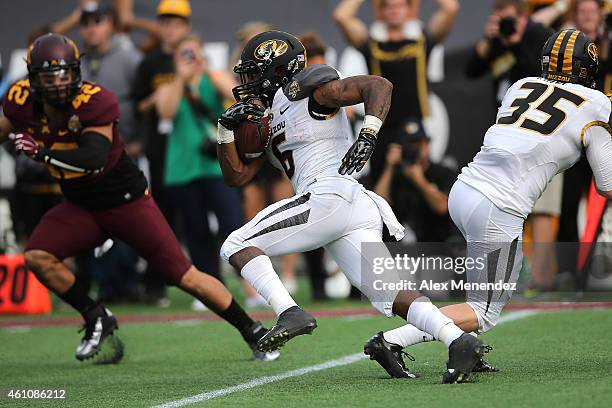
{"x":487,"y":317}
{"x":233,"y":243}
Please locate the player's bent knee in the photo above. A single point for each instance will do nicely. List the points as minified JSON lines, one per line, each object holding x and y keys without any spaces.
{"x":40,"y":262}
{"x":233,"y":244}
{"x":244,"y":256}
{"x":190,"y":279}
{"x":487,"y":316}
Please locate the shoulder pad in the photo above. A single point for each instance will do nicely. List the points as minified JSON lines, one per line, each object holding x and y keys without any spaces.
{"x":16,"y":101}
{"x":18,"y":93}
{"x":95,"y":106}
{"x":305,"y":82}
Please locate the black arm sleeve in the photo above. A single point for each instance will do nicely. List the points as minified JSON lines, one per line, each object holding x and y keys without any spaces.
{"x":89,"y":157}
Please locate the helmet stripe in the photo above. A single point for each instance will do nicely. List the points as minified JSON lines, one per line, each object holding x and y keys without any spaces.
{"x":554,"y":55}
{"x":74,"y":48}
{"x":568,"y":56}
{"x":562,"y":50}
{"x":29,"y":55}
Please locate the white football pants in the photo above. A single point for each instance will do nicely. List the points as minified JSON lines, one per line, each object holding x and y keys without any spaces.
{"x":493,"y":235}
{"x":338,"y":222}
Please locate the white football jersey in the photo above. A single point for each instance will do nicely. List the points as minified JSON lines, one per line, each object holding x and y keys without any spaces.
{"x":307,"y":146}
{"x":538,"y":133}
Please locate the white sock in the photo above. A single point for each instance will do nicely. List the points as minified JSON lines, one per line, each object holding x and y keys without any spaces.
{"x":407,"y":335}
{"x":259,"y":272}
{"x":426,"y":316}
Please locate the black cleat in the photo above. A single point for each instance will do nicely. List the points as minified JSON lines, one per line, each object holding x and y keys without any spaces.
{"x":291,"y":323}
{"x":96,"y":331}
{"x":484,"y":367}
{"x":463,"y":355}
{"x":255,"y":332}
{"x":389,"y":356}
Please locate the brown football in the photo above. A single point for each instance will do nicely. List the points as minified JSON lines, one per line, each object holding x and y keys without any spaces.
{"x":252,"y":138}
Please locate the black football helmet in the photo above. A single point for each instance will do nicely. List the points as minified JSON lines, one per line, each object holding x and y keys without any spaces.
{"x":268,"y":61}
{"x":569,"y":56}
{"x":54,"y":69}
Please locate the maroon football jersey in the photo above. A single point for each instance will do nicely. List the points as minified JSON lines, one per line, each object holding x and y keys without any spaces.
{"x":120,"y":181}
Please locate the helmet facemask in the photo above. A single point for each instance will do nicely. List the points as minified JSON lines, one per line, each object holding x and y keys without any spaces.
{"x":252,"y":83}
{"x":56,"y":85}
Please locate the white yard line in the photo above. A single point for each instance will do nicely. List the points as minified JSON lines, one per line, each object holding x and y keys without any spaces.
{"x":17,"y":329}
{"x":263,"y":380}
{"x":352,"y":358}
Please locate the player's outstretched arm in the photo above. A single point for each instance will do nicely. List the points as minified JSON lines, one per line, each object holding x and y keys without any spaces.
{"x":236,"y":173}
{"x":375,"y":93}
{"x":598,"y":143}
{"x":5,"y":129}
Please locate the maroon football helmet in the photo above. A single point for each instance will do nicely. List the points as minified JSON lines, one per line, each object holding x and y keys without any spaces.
{"x":54,"y":69}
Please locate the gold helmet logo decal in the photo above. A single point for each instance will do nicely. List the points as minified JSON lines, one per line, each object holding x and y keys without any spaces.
{"x":592,"y":51}
{"x":271,"y":49}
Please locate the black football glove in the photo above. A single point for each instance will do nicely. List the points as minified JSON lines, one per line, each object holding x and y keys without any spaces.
{"x":359,"y":153}
{"x":239,"y":112}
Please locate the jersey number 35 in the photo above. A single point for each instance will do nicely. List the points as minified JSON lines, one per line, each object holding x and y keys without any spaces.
{"x":547,"y":105}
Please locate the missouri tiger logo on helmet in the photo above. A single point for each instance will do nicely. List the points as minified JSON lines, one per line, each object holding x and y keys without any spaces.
{"x":270,"y":49}
{"x":569,"y":56}
{"x":268,"y":61}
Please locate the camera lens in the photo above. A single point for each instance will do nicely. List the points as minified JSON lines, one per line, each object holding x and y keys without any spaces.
{"x":507,"y":26}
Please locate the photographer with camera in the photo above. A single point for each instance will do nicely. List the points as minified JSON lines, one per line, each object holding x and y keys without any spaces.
{"x":417,"y":188}
{"x":193,"y":100}
{"x":511,"y":47}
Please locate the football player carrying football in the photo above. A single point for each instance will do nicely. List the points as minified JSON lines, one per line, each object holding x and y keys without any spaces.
{"x":309,"y":141}
{"x":542,"y":127}
{"x":71,"y":125}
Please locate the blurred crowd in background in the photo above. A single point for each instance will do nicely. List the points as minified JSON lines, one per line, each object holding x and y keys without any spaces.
{"x":170,"y":98}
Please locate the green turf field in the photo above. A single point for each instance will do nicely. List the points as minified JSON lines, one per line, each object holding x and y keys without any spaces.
{"x":552,"y":359}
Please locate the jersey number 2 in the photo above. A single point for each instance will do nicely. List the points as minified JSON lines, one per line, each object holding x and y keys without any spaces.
{"x":556,"y":116}
{"x":285,"y":158}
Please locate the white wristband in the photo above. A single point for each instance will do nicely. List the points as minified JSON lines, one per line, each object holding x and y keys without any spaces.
{"x":224,"y":135}
{"x":372,"y":122}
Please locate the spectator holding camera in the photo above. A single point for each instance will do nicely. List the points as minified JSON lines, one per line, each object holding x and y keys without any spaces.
{"x":511,"y":47}
{"x":193,"y":100}
{"x":417,"y":188}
